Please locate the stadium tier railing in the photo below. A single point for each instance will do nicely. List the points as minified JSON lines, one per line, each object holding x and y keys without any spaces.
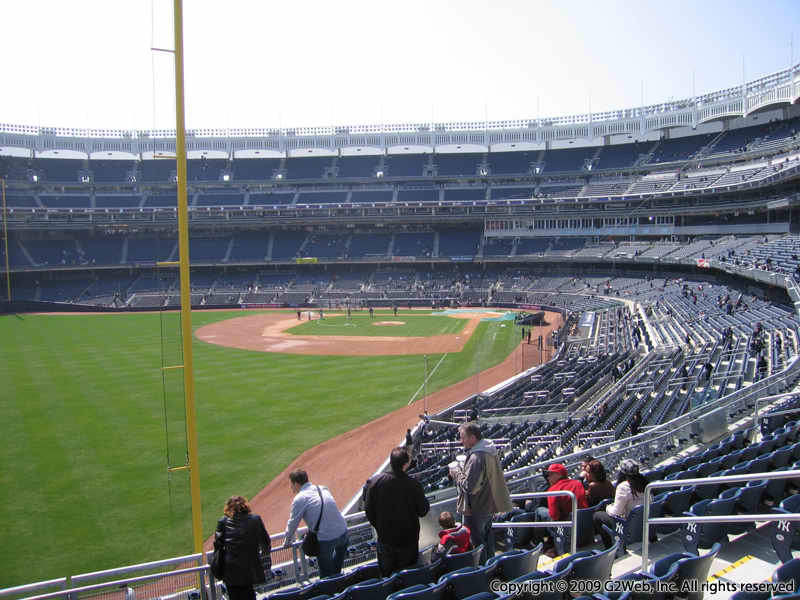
{"x":572,"y":523}
{"x":747,"y":518}
{"x":179,"y":577}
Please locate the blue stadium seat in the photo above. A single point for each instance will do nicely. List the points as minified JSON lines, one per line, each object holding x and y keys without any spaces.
{"x":452,"y":562}
{"x":371,"y":589}
{"x":467,"y":581}
{"x":424,"y":574}
{"x":788,"y":571}
{"x":596,"y":566}
{"x":421,"y":592}
{"x":550,"y":578}
{"x":516,"y":563}
{"x":683,"y":567}
{"x":705,"y":535}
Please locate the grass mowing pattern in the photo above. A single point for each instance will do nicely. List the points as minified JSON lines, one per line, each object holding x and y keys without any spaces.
{"x":82,"y":466}
{"x":362,"y":325}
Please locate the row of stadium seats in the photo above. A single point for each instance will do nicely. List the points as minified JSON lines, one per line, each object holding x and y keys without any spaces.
{"x":764,"y":137}
{"x":779,"y":254}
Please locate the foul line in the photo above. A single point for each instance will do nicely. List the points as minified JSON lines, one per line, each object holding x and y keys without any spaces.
{"x":414,"y":397}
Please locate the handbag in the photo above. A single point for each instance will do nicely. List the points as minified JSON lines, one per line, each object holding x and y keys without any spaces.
{"x":311,"y":541}
{"x":217,"y":562}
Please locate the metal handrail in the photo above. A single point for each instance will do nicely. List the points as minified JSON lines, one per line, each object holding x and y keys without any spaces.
{"x":167,"y":562}
{"x":29,"y":587}
{"x":768,"y":400}
{"x":677,"y":483}
{"x":119,"y":583}
{"x":573,"y":523}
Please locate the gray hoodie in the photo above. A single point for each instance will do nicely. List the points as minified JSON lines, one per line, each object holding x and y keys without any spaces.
{"x":481,"y":486}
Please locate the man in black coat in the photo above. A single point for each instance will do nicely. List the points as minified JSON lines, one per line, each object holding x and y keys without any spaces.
{"x":394,"y":502}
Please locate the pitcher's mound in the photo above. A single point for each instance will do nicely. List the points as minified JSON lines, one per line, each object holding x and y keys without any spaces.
{"x":390,"y":323}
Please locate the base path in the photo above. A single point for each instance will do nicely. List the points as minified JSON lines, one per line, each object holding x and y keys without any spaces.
{"x":344,"y":462}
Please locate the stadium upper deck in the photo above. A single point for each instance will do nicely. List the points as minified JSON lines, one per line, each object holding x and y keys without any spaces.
{"x":775,"y":90}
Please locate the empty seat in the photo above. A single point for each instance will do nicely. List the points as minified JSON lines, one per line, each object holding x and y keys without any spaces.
{"x":683,"y":567}
{"x":421,"y":592}
{"x":516,"y":563}
{"x":705,"y":535}
{"x":469,"y":580}
{"x":452,"y":562}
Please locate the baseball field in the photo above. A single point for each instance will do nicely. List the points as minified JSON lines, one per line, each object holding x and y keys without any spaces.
{"x":83,"y":466}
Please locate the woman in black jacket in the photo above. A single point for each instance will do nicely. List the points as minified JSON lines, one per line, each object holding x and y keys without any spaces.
{"x":242,"y":535}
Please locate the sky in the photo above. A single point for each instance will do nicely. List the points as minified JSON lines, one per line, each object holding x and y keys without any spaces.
{"x":266,"y":63}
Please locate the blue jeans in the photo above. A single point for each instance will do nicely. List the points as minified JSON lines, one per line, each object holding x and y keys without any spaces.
{"x":481,"y":532}
{"x":543,"y":514}
{"x":331,"y":555}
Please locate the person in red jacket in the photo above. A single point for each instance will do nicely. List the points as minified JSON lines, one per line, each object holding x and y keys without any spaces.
{"x":559,"y":508}
{"x":454,"y":537}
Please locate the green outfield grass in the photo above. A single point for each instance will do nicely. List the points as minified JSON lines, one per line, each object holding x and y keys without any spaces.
{"x":360,"y":324}
{"x":83,"y":482}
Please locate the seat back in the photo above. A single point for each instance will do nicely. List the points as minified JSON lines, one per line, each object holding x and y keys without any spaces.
{"x":760,"y":464}
{"x":705,"y":535}
{"x":551,"y":594}
{"x":520,"y":537}
{"x":372,"y":590}
{"x":677,"y":502}
{"x":585,"y":526}
{"x":791,"y":504}
{"x":780,"y":457}
{"x":743,"y":595}
{"x":424,"y":574}
{"x":709,"y":491}
{"x":748,"y":452}
{"x":517,"y":563}
{"x":776,"y":487}
{"x":364,"y":572}
{"x":788,"y":571}
{"x":329,"y":586}
{"x":696,"y":569}
{"x":468,"y":581}
{"x":290,"y":594}
{"x":421,"y":592}
{"x":596,"y":567}
{"x":735,"y":493}
{"x":751,"y":495}
{"x":452,"y":562}
{"x":632,"y":526}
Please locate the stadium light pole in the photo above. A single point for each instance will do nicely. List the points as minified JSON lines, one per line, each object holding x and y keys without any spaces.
{"x":183,"y":257}
{"x":5,"y":240}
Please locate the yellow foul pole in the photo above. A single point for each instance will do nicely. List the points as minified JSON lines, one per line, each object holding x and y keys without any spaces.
{"x":5,"y":241}
{"x":183,"y":251}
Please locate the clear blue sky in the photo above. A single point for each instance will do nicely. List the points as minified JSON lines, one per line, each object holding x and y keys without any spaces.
{"x":264,"y":63}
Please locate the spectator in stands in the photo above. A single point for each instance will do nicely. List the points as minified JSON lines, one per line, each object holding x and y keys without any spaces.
{"x":246,"y":549}
{"x":453,"y":538}
{"x":598,"y":486}
{"x":332,"y":534}
{"x":559,"y":508}
{"x":482,"y":490}
{"x":629,"y":493}
{"x":636,"y":422}
{"x":394,"y":503}
{"x":584,"y":469}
